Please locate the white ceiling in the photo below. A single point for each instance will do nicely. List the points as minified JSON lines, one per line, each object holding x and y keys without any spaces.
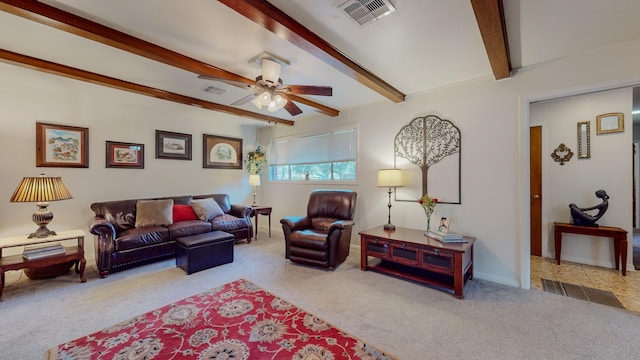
{"x":425,"y":44}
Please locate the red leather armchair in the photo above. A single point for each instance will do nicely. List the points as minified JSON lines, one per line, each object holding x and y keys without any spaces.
{"x":323,"y":237}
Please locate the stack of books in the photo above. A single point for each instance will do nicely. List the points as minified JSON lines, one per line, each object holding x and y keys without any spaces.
{"x":446,"y":238}
{"x":444,"y":235}
{"x":42,"y":250}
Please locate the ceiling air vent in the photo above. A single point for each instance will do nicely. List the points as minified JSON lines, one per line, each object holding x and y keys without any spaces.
{"x":366,"y":11}
{"x":213,"y":90}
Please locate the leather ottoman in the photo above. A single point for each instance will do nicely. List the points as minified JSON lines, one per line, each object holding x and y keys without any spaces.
{"x":204,"y":251}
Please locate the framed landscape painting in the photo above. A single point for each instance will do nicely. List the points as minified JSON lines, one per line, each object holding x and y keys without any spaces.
{"x":221,"y":152}
{"x":125,"y":155}
{"x":61,"y":146}
{"x":172,"y":145}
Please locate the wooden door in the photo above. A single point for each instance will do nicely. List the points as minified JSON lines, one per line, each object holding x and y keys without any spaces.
{"x":535,"y":192}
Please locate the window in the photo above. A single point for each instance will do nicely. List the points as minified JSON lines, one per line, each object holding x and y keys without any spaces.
{"x":328,"y":156}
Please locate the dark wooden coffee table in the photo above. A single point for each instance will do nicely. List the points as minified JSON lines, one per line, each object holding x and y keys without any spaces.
{"x":409,"y":254}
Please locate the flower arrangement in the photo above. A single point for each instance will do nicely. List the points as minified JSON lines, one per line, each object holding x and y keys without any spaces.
{"x":428,"y":204}
{"x":257,"y":161}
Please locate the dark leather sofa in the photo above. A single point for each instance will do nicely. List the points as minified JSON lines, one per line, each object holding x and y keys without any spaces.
{"x":119,"y":243}
{"x":322,"y":237}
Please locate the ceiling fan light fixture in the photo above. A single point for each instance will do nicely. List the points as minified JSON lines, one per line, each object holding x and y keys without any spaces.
{"x":272,"y":107}
{"x":277,"y":103}
{"x":265,"y":98}
{"x":257,"y":103}
{"x":280,"y":101}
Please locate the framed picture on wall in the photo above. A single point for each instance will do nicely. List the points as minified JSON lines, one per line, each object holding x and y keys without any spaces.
{"x":61,"y":146}
{"x":609,"y":123}
{"x":125,"y":155}
{"x":172,"y":145}
{"x":221,"y":152}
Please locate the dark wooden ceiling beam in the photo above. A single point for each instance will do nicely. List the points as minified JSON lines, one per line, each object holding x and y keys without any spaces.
{"x":65,"y":21}
{"x":281,"y":24}
{"x":490,"y":18}
{"x":78,"y":74}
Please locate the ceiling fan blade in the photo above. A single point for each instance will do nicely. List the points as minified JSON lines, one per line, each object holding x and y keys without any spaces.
{"x":308,"y":90}
{"x":290,"y":106}
{"x":239,"y":84}
{"x":245,"y":99}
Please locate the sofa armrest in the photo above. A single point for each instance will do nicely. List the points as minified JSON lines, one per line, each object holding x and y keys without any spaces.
{"x":104,"y":246}
{"x":241,"y":211}
{"x":101,"y":227}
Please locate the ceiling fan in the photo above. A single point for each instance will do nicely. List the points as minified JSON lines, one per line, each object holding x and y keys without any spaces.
{"x":269,"y":91}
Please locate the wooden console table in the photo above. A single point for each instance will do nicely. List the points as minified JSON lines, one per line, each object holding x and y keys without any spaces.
{"x":409,"y":254}
{"x":261,"y":210}
{"x":73,"y":254}
{"x":618,"y":235}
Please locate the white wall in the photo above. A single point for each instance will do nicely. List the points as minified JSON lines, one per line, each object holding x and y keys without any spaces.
{"x":493,"y":118}
{"x":609,"y":168}
{"x":27,"y":96}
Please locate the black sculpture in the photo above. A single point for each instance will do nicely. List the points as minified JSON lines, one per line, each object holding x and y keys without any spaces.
{"x":581,"y":218}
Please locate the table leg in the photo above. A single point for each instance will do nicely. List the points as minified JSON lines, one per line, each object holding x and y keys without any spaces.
{"x":558,"y":243}
{"x":257,"y":215}
{"x":1,"y":283}
{"x":363,"y":254}
{"x":458,"y":276}
{"x":623,"y":255}
{"x":269,"y":225}
{"x":83,"y":263}
{"x":616,"y":251}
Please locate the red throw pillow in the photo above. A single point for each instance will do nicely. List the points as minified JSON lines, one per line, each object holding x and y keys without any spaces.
{"x":183,"y":212}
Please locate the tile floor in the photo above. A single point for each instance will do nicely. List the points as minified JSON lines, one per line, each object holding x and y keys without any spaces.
{"x":626,"y":288}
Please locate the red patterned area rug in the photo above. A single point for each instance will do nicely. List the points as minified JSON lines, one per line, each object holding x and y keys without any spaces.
{"x":238,"y":320}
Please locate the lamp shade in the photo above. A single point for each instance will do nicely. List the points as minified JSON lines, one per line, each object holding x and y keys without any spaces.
{"x":390,"y":177}
{"x":41,"y":189}
{"x":254,"y":180}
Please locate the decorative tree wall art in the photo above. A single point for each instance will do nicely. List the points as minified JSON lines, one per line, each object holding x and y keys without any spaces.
{"x":428,"y":151}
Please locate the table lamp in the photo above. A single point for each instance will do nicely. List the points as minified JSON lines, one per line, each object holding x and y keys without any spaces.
{"x":254,"y":180}
{"x":41,"y":190}
{"x":390,"y":178}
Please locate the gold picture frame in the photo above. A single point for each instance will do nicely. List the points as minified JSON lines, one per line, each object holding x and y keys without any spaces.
{"x":584,"y":140}
{"x":609,"y":123}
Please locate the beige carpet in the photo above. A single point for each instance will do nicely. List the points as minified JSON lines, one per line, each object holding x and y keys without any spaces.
{"x":409,"y":320}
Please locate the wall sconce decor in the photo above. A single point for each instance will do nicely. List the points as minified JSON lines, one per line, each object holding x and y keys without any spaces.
{"x":562,"y":154}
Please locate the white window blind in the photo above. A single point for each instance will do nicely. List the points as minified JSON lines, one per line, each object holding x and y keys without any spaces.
{"x":322,"y":148}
